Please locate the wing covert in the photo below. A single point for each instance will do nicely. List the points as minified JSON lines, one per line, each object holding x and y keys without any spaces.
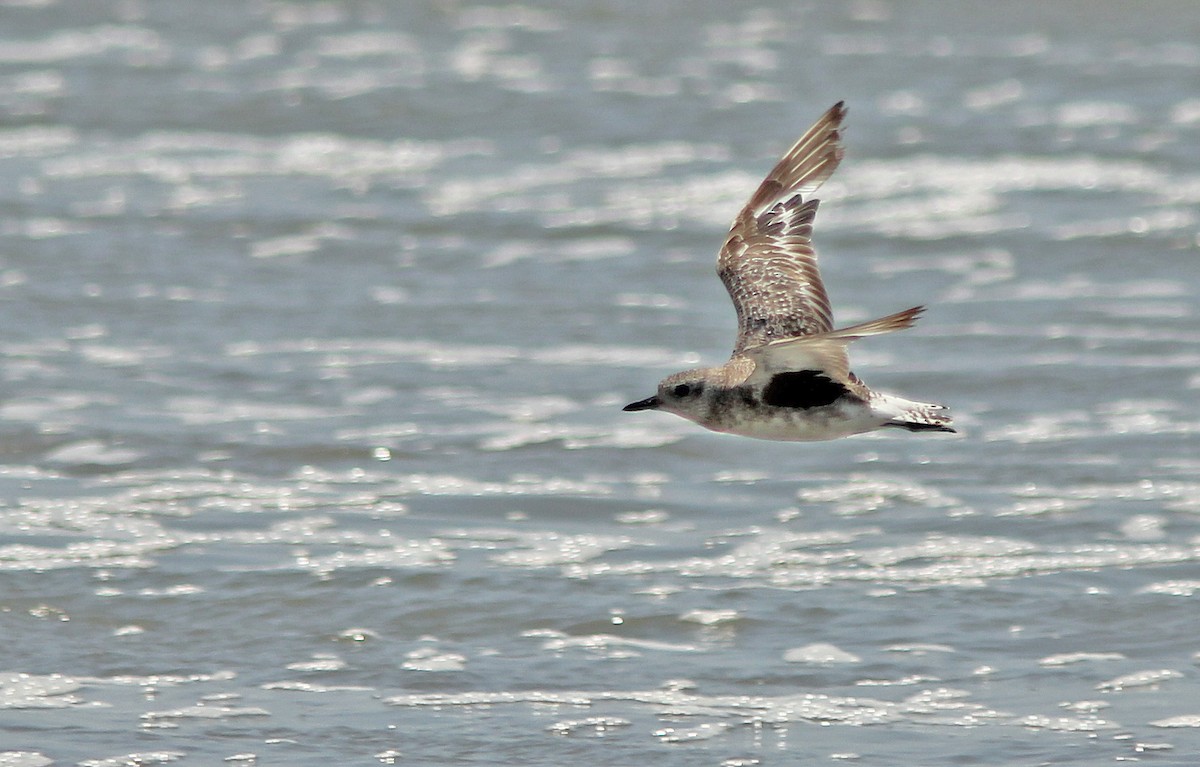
{"x":768,"y":263}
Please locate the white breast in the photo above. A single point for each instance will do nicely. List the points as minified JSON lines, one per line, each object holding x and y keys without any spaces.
{"x":841,"y":419}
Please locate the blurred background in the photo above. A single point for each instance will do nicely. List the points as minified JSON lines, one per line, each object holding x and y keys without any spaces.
{"x":318,"y":318}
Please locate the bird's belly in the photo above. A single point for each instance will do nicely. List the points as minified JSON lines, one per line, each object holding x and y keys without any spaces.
{"x":839,"y":419}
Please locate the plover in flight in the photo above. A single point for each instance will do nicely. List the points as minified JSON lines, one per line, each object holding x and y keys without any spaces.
{"x":789,"y":377}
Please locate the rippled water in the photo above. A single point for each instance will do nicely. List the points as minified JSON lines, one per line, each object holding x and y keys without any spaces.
{"x":319,"y":317}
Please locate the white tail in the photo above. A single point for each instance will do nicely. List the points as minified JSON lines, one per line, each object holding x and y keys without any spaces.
{"x":914,"y":416}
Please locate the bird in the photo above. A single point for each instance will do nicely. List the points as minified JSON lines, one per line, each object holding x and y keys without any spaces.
{"x":789,"y":375}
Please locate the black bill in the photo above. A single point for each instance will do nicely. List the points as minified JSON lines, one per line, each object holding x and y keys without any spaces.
{"x":650,"y":403}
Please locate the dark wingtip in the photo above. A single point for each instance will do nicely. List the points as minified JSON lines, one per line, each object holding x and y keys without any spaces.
{"x":837,"y":114}
{"x":913,"y":314}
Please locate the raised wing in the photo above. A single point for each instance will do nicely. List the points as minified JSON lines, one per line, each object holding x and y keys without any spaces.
{"x":768,"y":263}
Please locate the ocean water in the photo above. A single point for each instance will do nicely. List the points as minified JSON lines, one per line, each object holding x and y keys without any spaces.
{"x":319,"y":316}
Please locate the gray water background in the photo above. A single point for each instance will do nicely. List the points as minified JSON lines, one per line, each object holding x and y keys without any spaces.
{"x":318,"y":318}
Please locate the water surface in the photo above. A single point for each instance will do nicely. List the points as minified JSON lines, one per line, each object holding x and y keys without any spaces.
{"x":319,"y":318}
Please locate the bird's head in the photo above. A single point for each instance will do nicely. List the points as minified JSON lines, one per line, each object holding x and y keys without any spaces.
{"x":681,"y":393}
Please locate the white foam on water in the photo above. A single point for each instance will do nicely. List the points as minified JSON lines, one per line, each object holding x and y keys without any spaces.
{"x":1148,"y":678}
{"x":941,"y":706}
{"x":432,"y":659}
{"x":532,"y":485}
{"x":706,"y":731}
{"x":1141,"y":490}
{"x":611,"y":356}
{"x":1085,"y":706}
{"x":609,"y":74}
{"x":136,"y":758}
{"x":1157,"y":221}
{"x":29,"y":691}
{"x":1176,"y":588}
{"x":593,"y":726}
{"x":820,"y":654}
{"x":401,"y":555}
{"x":781,"y":559}
{"x":946,"y":549}
{"x":551,"y":549}
{"x":747,"y":476}
{"x":1066,"y":723}
{"x":205,"y":711}
{"x":710,"y":617}
{"x":579,"y":436}
{"x":759,"y":555}
{"x":357,"y":634}
{"x":367,"y":44}
{"x":589,"y":250}
{"x":353,"y":353}
{"x":200,"y":411}
{"x":39,"y":409}
{"x":648,"y":517}
{"x":906,"y":681}
{"x":1144,"y":527}
{"x":323,"y":662}
{"x":919,"y":649}
{"x":92,"y":553}
{"x":37,"y":141}
{"x":988,"y":97}
{"x":509,"y":17}
{"x":517,"y":408}
{"x":72,"y":44}
{"x":862,"y":493}
{"x":92,"y":453}
{"x":1067,"y":659}
{"x":124,"y":356}
{"x":1080,"y":286}
{"x":24,"y":759}
{"x":608,"y":645}
{"x":489,"y":698}
{"x":1078,"y":425}
{"x":1078,"y":114}
{"x":299,"y":244}
{"x":532,"y":187}
{"x":1182,"y":720}
{"x":294,"y":685}
{"x":650,"y":301}
{"x":972,"y":270}
{"x":1111,"y":177}
{"x":160,"y":680}
{"x":182,"y":589}
{"x":175,"y":159}
{"x":486,"y":56}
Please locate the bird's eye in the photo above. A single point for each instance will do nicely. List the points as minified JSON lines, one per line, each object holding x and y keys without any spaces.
{"x":682,"y":390}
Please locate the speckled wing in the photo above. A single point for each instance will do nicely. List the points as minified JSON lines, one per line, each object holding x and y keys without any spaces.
{"x":768,"y":263}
